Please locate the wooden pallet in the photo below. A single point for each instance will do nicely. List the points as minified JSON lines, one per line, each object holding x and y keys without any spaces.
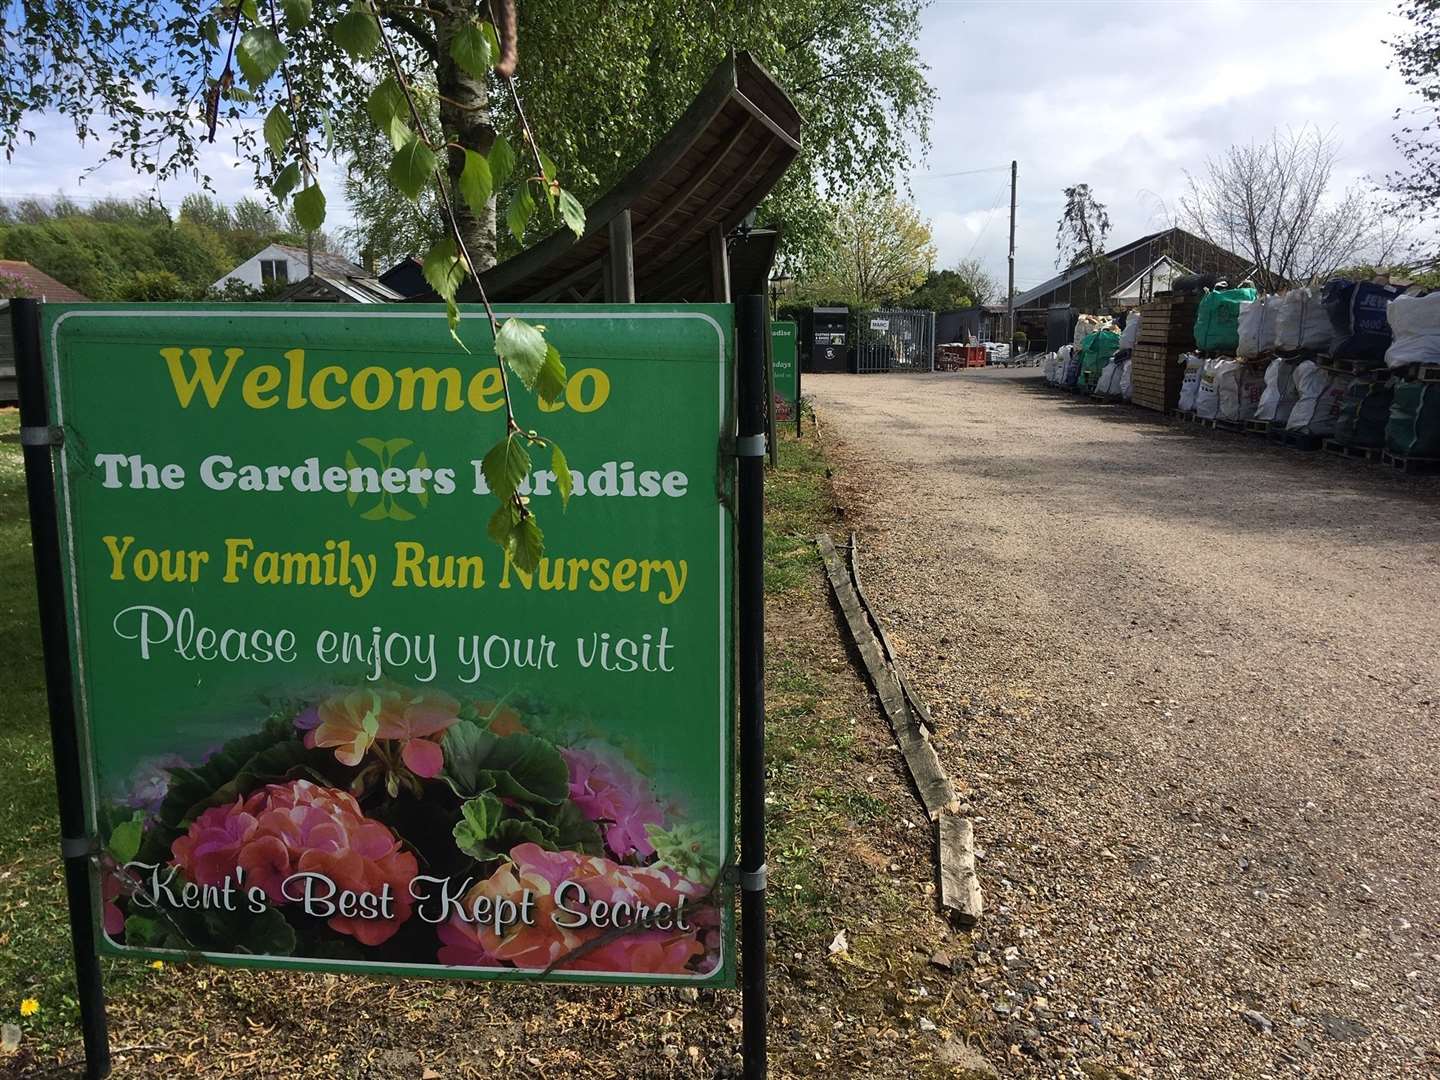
{"x":1257,"y":427}
{"x":1416,"y":466}
{"x":1229,"y":425}
{"x":1362,"y":453}
{"x":1297,"y":440}
{"x":1419,"y":373}
{"x":1345,"y":366}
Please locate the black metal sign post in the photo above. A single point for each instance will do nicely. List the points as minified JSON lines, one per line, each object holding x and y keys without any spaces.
{"x":39,"y":441}
{"x":751,"y":348}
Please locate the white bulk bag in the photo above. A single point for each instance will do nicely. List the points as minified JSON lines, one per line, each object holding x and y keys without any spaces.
{"x":1327,"y":409}
{"x":1207,"y":397}
{"x":1085,"y":325}
{"x":1302,"y":322}
{"x":1227,"y":388}
{"x":1415,"y":322}
{"x":1251,"y":326}
{"x":1131,"y":334}
{"x":1278,"y":397}
{"x":1252,"y":385}
{"x":1194,"y":365}
{"x":1125,"y":387}
{"x":1108,"y":384}
{"x":1311,"y":382}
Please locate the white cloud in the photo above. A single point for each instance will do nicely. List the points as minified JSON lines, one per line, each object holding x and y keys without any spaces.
{"x":1126,"y":97}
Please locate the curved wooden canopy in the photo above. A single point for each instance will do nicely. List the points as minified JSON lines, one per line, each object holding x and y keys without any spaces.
{"x":674,"y":208}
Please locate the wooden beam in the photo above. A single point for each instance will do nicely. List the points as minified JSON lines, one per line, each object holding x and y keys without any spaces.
{"x":620,"y":268}
{"x":719,"y":267}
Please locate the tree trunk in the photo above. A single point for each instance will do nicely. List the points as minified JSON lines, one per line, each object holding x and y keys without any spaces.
{"x":465,"y":119}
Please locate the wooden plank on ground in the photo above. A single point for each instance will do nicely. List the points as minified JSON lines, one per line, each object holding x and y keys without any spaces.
{"x":959,"y":884}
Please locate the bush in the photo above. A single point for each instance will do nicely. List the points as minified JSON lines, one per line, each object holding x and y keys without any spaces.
{"x":153,"y":286}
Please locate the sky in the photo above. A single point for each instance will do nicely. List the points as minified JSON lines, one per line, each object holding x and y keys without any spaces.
{"x":1127,"y":97}
{"x":1124,"y":96}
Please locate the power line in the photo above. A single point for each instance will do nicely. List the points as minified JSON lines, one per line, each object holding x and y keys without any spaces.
{"x":963,"y":172}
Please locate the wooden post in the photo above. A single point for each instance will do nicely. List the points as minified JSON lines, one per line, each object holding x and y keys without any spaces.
{"x":719,"y":267}
{"x":620,"y":273}
{"x":1010,"y":291}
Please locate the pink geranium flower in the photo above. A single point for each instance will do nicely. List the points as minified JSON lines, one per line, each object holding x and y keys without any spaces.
{"x":610,"y":792}
{"x":300,"y":827}
{"x":545,"y":943}
{"x":352,"y":722}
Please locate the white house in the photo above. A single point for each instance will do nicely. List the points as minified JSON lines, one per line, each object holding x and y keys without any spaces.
{"x":284,"y":264}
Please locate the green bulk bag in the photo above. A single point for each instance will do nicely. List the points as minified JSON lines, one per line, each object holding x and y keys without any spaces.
{"x":1364,"y":413}
{"x":1095,"y":350}
{"x":1414,"y":426}
{"x":1217,"y":323}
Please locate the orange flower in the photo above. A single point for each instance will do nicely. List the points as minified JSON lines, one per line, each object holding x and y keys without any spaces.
{"x":352,"y":722}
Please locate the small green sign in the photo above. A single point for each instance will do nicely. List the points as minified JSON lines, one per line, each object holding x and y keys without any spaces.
{"x":784,"y":351}
{"x":327,"y":724}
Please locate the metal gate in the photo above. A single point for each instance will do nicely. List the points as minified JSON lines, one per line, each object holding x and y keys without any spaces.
{"x":894,"y":341}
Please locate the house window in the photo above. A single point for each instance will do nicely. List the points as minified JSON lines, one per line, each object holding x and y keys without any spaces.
{"x":272,"y":270}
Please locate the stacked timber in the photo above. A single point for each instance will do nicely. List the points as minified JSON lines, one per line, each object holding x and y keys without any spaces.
{"x":1167,"y":329}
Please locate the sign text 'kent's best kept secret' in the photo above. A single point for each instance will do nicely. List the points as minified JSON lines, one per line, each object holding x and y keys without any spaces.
{"x":327,"y":723}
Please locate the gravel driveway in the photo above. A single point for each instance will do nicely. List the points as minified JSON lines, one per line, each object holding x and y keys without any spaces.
{"x":1192,"y":680}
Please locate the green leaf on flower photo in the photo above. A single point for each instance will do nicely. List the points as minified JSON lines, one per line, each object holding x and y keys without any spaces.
{"x":124,"y":842}
{"x":523,"y":768}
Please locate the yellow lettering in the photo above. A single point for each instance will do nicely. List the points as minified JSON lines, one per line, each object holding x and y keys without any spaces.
{"x":484,"y":391}
{"x":204,"y":376}
{"x":294,"y":395}
{"x":116,"y":555}
{"x":408,"y":554}
{"x":587,"y":390}
{"x":364,"y":397}
{"x":258,"y":384}
{"x":429,"y":381}
{"x":317,"y":387}
{"x":237,"y":557}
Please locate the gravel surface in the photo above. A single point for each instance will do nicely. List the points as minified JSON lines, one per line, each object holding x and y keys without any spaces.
{"x":1192,"y":680}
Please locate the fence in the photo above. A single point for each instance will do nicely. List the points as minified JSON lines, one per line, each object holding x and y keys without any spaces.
{"x":895,"y":341}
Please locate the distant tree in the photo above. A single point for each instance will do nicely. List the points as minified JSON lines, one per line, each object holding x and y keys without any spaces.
{"x":1080,"y":236}
{"x":943,"y":290}
{"x":978,"y":282}
{"x":880,"y":251}
{"x":1271,"y":201}
{"x":207,"y":211}
{"x":1417,"y":56}
{"x":154,"y":286}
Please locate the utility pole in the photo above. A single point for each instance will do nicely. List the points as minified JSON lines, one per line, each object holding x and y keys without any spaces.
{"x":1010,"y":293}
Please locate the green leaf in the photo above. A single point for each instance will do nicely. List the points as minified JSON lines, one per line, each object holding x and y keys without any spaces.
{"x":249,"y":10}
{"x":523,"y":768}
{"x":297,"y":13}
{"x":479,"y":818}
{"x":357,"y":33}
{"x":547,"y":166}
{"x":443,"y":269}
{"x":278,"y":131}
{"x":310,"y":208}
{"x":412,"y":167}
{"x":572,"y":213}
{"x":523,"y":347}
{"x":124,"y":842}
{"x":286,"y":181}
{"x":501,"y":526}
{"x":475,"y":183}
{"x":388,"y":108}
{"x":327,"y":125}
{"x":259,"y":53}
{"x":210,"y":31}
{"x":506,"y":465}
{"x":452,"y":317}
{"x":550,"y":383}
{"x":502,"y":161}
{"x":522,"y":208}
{"x":471,"y":51}
{"x":488,"y":29}
{"x":564,"y":482}
{"x":529,"y":544}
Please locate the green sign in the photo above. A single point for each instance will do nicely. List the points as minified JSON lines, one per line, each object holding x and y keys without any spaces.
{"x":327,"y":725}
{"x":784,"y":352}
